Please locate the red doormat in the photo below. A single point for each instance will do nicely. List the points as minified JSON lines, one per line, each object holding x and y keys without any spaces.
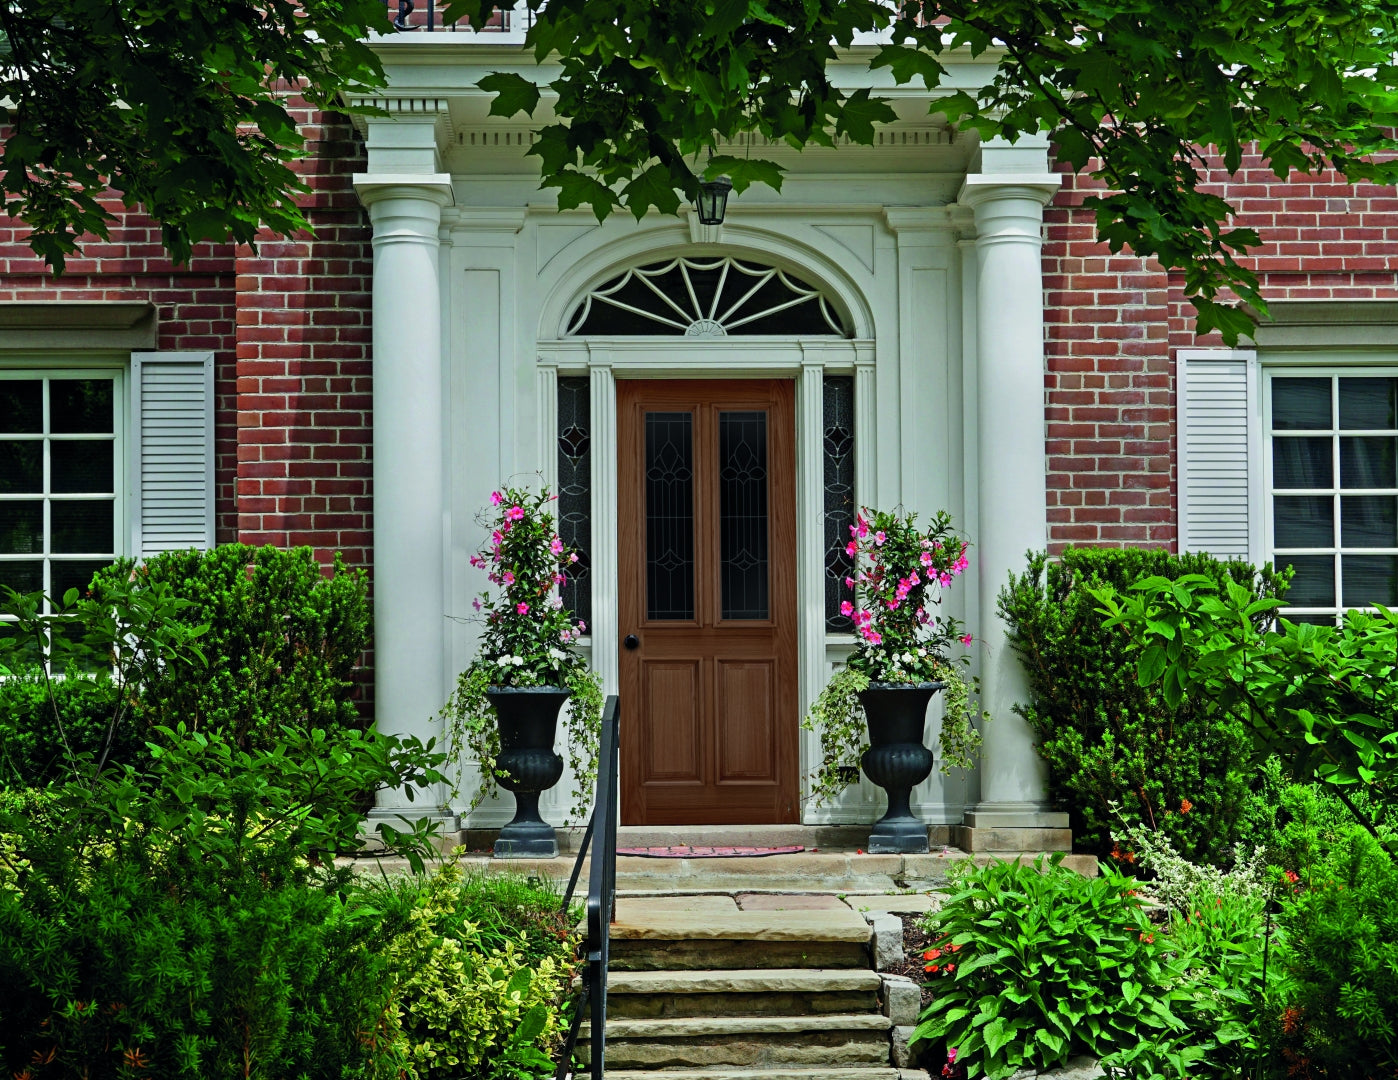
{"x":686,"y":851}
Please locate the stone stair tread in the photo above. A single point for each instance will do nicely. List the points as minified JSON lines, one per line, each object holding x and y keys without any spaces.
{"x":845,"y":1072}
{"x":709,"y":1027}
{"x":635,"y":923}
{"x":745,"y":981}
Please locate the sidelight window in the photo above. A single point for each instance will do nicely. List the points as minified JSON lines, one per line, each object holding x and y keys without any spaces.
{"x":575,"y":489}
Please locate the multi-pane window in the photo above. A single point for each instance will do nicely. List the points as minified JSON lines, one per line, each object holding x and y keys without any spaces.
{"x":837,"y":445}
{"x":59,"y":462}
{"x":1334,"y":490}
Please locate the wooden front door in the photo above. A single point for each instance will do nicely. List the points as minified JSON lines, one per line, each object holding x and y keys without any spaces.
{"x":707,"y":533}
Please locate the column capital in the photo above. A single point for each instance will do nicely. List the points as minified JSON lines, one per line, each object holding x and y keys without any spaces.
{"x":981,"y":188}
{"x":429,"y":187}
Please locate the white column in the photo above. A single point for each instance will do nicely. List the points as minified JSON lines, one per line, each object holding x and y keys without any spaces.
{"x":606,"y":579}
{"x":409,"y":510}
{"x":1010,"y":482}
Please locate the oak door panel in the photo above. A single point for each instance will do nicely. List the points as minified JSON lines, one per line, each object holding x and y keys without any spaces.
{"x":707,"y":534}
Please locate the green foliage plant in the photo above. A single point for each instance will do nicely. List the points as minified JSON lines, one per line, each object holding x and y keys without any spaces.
{"x":528,"y":639}
{"x":1131,"y":93}
{"x":1033,"y":964}
{"x":473,"y":1008}
{"x":900,"y":576}
{"x":282,"y":639}
{"x":119,"y":974}
{"x":1175,"y":880}
{"x":1323,"y":698}
{"x":1340,"y":962}
{"x":185,"y":109}
{"x":32,"y":750}
{"x":1214,"y":983}
{"x":1120,"y":752}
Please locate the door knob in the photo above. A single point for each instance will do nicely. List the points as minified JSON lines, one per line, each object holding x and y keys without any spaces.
{"x":631,"y":641}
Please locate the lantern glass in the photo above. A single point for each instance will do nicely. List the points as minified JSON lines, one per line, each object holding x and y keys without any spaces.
{"x":713,"y":200}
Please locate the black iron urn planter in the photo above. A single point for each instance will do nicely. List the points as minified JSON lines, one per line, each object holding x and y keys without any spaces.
{"x":897,"y":761}
{"x":528,"y":717}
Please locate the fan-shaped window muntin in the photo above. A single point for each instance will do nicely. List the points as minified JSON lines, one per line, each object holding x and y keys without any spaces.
{"x":706,"y":298}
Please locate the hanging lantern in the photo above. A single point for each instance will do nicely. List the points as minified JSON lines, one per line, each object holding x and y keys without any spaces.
{"x":713,"y":200}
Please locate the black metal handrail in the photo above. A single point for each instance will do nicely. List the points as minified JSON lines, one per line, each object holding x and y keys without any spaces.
{"x":601,"y":902}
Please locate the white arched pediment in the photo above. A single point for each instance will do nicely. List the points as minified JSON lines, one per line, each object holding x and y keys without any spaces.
{"x":599,"y":261}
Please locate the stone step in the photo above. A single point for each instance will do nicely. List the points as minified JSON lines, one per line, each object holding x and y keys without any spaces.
{"x":712,"y":933}
{"x":747,"y":1041}
{"x":761,"y":992}
{"x":848,"y":1072}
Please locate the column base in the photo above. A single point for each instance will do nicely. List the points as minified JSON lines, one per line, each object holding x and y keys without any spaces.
{"x":1017,"y":827}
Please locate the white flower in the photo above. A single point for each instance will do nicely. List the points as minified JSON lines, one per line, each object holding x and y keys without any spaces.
{"x":556,"y":602}
{"x":505,"y":661}
{"x":518,"y":661}
{"x":558,"y":654}
{"x":907,"y":658}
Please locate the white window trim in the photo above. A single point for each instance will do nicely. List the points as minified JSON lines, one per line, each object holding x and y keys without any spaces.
{"x":1342,"y":365}
{"x":79,"y":367}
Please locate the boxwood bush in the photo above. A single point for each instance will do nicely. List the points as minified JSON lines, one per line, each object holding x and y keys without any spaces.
{"x":282,"y":643}
{"x":1109,"y":741}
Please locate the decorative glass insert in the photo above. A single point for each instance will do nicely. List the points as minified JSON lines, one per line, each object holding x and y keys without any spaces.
{"x":669,"y":466}
{"x":575,"y":489}
{"x":706,"y":298}
{"x":838,"y":443}
{"x":58,"y":493}
{"x":742,"y":515}
{"x":1334,"y":443}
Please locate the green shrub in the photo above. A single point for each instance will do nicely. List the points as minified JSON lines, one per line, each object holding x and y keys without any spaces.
{"x":1109,"y":741}
{"x":1035,"y":964}
{"x":119,"y":976}
{"x":1340,"y":960}
{"x":282,"y":642}
{"x":484,"y":969}
{"x":32,"y":740}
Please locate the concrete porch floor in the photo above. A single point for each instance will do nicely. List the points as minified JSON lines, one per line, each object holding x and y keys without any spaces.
{"x":833,"y":861}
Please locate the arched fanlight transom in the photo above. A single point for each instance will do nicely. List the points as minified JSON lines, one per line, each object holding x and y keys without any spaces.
{"x":706,"y":298}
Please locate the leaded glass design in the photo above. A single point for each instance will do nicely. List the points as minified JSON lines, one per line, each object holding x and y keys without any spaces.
{"x":669,"y":515}
{"x":742,"y":515}
{"x":1334,"y":443}
{"x":575,"y":489}
{"x":706,"y":298}
{"x":838,"y":443}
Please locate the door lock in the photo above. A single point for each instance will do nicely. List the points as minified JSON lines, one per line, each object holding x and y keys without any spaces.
{"x":631,"y":641}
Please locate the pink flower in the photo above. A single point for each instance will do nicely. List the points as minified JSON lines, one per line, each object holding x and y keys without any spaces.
{"x":846,"y":608}
{"x":565,"y":636}
{"x":496,"y":498}
{"x":582,"y":627}
{"x":522,"y":608}
{"x":572,"y":556}
{"x":863,"y":526}
{"x":496,"y":537}
{"x":476,"y":604}
{"x":851,"y":548}
{"x":966,"y":639}
{"x":556,"y":546}
{"x":945,"y":579}
{"x":892,"y":605}
{"x":849,"y":583}
{"x":853,"y":531}
{"x":509,"y":577}
{"x":514,"y":513}
{"x":559,"y":579}
{"x":880,"y":537}
{"x":476,"y":560}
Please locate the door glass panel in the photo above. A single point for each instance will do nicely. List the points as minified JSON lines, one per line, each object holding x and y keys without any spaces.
{"x":742,"y":513}
{"x":838,"y":439}
{"x":575,"y":489}
{"x":669,"y":515}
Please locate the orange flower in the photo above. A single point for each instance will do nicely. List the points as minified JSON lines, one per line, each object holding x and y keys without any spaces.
{"x":929,"y":967}
{"x":1147,"y":938}
{"x":932,"y":954}
{"x":951,"y":968}
{"x":1186,"y":806}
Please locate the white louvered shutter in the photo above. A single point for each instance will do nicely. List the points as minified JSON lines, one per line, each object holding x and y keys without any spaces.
{"x":172,"y":467}
{"x":1220,"y":431}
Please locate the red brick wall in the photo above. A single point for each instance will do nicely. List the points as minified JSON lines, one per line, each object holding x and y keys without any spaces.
{"x":303,"y":366}
{"x":194,"y":309}
{"x":1113,"y":324}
